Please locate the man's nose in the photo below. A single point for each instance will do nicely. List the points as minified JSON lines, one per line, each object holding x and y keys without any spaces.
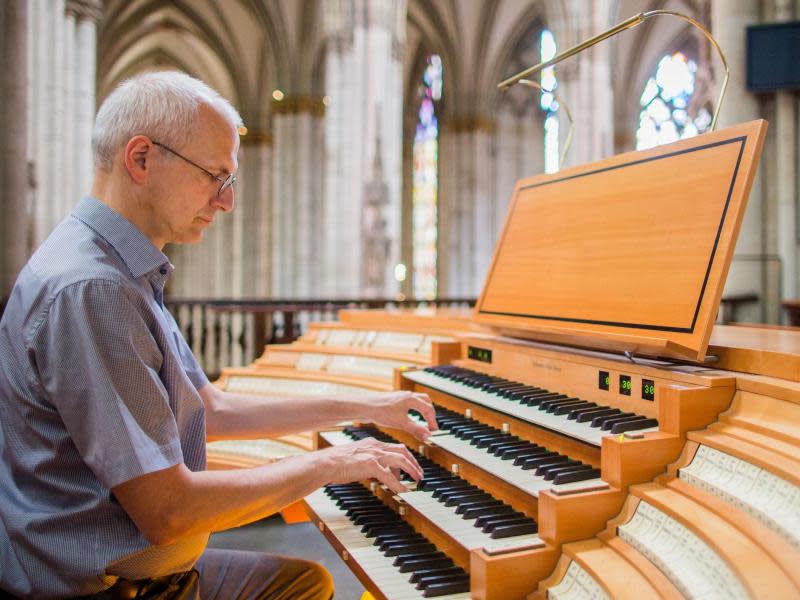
{"x":224,"y":201}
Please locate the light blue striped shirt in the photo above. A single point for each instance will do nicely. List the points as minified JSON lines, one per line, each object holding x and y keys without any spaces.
{"x":97,"y":387}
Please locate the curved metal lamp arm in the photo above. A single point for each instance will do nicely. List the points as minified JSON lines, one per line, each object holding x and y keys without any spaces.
{"x":627,"y":24}
{"x":562,"y":104}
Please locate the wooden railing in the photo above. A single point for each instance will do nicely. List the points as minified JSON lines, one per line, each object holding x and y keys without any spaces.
{"x":231,"y":333}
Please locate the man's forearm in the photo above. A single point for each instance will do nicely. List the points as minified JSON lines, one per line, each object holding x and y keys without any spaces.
{"x":246,"y":416}
{"x":173,"y":503}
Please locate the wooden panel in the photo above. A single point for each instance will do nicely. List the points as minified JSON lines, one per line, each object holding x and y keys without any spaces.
{"x":626,"y":461}
{"x":577,"y":516}
{"x":447,"y":321}
{"x":289,"y":373}
{"x":616,"y":575}
{"x":511,"y":576}
{"x":635,"y":247}
{"x":765,"y":415}
{"x":773,"y":352}
{"x":368,"y":352}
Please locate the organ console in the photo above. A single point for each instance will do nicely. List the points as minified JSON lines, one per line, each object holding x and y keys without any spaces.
{"x":588,"y":446}
{"x":599,"y":437}
{"x":356,"y":355}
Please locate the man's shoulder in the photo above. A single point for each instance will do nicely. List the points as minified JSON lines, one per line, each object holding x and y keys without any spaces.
{"x":68,"y":264}
{"x":73,"y":254}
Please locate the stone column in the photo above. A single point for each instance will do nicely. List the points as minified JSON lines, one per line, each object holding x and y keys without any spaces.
{"x":13,"y":141}
{"x":584,"y":81}
{"x":729,"y":18}
{"x":254,"y":201}
{"x":364,"y":84}
{"x":785,"y":131}
{"x":40,"y":43}
{"x":56,"y":118}
{"x":296,"y":240}
{"x":88,"y":14}
{"x":67,"y":173}
{"x":467,"y":188}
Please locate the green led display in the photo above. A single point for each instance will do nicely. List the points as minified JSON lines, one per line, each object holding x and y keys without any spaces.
{"x":625,"y":385}
{"x":604,"y":380}
{"x":648,"y":389}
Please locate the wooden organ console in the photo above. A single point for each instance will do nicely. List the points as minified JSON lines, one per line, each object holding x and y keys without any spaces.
{"x":354,"y":356}
{"x":588,"y":448}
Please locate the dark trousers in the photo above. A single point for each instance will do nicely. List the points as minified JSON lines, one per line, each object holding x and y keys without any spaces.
{"x":234,"y":575}
{"x":229,"y":574}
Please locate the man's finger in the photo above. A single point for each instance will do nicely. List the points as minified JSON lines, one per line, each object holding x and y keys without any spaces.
{"x":422,"y":404}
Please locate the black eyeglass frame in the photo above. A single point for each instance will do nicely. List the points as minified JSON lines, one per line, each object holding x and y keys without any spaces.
{"x":224,"y":183}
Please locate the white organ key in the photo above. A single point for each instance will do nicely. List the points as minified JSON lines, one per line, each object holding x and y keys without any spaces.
{"x":379,"y":568}
{"x":461,"y":530}
{"x":506,"y":470}
{"x":560,"y":423}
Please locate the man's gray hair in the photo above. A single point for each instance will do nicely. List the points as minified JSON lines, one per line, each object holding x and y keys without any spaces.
{"x":162,"y":105}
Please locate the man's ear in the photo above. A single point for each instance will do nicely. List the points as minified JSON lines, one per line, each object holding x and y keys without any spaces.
{"x":137,"y":156}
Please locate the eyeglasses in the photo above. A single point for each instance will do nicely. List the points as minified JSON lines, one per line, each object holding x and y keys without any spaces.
{"x":224,"y":183}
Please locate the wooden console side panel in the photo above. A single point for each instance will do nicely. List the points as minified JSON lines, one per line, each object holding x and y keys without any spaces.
{"x":629,"y":461}
{"x":684,"y":408}
{"x":574,"y":517}
{"x":510,"y":576}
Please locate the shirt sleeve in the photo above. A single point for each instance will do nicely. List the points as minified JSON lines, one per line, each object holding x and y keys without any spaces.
{"x":99,"y":365}
{"x":193,"y":369}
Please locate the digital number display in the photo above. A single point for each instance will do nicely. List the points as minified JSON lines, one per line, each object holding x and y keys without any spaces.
{"x":648,"y":389}
{"x":604,"y":380}
{"x":625,"y":385}
{"x":481,"y":354}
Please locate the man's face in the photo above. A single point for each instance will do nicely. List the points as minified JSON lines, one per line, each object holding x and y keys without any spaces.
{"x":185,"y":201}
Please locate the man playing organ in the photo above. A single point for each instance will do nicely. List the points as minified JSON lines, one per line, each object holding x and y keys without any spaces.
{"x":105,"y":412}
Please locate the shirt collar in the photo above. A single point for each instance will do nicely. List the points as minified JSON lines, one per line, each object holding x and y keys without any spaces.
{"x":136,"y":250}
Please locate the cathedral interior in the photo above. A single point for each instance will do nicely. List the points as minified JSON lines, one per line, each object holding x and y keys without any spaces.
{"x":378,"y":156}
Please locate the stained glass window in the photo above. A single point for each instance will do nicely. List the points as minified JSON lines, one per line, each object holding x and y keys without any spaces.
{"x":547,"y":50}
{"x":665,"y":102}
{"x":426,"y":182}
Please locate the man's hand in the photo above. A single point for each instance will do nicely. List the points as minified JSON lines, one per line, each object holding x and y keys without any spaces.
{"x":371,"y":459}
{"x":390,"y":409}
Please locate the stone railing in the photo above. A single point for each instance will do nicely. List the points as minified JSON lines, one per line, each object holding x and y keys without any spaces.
{"x":230,"y":333}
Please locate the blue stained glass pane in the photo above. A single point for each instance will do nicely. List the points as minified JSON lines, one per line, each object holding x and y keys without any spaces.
{"x":665,"y":99}
{"x":650,"y":92}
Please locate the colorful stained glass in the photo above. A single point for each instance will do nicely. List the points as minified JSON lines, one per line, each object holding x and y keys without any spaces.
{"x":426,"y":183}
{"x":664,"y":101}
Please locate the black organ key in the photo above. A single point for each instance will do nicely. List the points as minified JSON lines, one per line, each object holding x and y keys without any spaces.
{"x":418,"y":548}
{"x":559,"y":461}
{"x":634,"y":425}
{"x":443,"y":589}
{"x":594,"y":416}
{"x":608,"y":422}
{"x":565,"y":409}
{"x":422,"y":573}
{"x":425,"y":562}
{"x":572,"y":477}
{"x":503,"y":531}
{"x":528,"y":463}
